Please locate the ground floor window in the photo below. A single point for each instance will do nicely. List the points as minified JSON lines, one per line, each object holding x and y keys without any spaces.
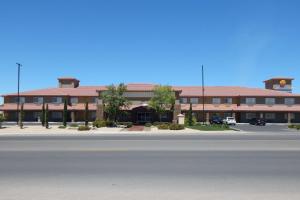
{"x":250,"y":115}
{"x":292,"y":116}
{"x":143,"y":117}
{"x":57,"y":115}
{"x":270,"y":115}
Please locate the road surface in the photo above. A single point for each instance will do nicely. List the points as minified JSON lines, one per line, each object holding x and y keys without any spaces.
{"x":150,"y":167}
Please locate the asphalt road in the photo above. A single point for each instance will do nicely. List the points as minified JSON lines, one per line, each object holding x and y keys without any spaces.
{"x":150,"y":167}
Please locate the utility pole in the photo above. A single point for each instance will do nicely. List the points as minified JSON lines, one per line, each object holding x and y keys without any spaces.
{"x":203,"y":111}
{"x":18,"y":103}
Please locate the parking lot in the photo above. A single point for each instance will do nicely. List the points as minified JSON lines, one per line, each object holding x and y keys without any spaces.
{"x":271,"y":128}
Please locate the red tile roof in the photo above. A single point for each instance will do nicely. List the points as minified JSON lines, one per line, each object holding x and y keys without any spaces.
{"x":189,"y":91}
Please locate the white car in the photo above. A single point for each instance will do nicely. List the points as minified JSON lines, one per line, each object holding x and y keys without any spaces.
{"x":229,"y":121}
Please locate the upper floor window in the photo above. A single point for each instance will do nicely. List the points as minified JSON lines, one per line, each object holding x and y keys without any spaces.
{"x":38,"y":100}
{"x":15,"y":100}
{"x":216,"y":100}
{"x":228,"y":100}
{"x":251,"y":100}
{"x":183,"y":100}
{"x":56,"y":100}
{"x":289,"y":101}
{"x":270,"y":101}
{"x":194,"y":100}
{"x":94,"y":99}
{"x":74,"y":100}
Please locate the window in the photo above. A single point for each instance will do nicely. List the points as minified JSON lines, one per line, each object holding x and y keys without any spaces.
{"x":250,"y":115}
{"x":216,"y":100}
{"x":289,"y":101}
{"x":228,"y":100}
{"x":270,"y":116}
{"x":183,"y":100}
{"x":94,"y":100}
{"x":15,"y":100}
{"x":270,"y":101}
{"x":194,"y":100}
{"x":74,"y":100}
{"x":38,"y":100}
{"x":57,"y":100}
{"x":57,"y":115}
{"x":250,"y":100}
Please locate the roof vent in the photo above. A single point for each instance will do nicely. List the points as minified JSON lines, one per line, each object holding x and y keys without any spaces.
{"x":68,"y":82}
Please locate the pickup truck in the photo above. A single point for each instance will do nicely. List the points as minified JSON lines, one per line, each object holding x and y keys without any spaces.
{"x":229,"y":121}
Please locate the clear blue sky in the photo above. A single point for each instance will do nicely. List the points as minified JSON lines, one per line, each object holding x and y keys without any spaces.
{"x":157,"y":41}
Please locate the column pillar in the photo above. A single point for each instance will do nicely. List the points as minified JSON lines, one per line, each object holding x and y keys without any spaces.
{"x":261,"y":115}
{"x":100,"y":110}
{"x":176,"y":112}
{"x":234,"y":115}
{"x":73,"y":116}
{"x":207,"y":117}
{"x":289,"y":118}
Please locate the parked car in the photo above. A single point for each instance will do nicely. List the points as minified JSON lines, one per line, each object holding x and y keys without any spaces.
{"x":257,"y":122}
{"x":216,"y":120}
{"x":229,"y":121}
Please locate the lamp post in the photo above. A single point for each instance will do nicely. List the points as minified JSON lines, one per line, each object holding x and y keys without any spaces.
{"x":18,"y":103}
{"x":203,"y":111}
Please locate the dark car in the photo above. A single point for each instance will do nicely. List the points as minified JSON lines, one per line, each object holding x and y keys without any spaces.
{"x":257,"y":122}
{"x":216,"y":120}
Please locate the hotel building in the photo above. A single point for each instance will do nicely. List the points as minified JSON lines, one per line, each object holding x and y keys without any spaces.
{"x":275,"y":103}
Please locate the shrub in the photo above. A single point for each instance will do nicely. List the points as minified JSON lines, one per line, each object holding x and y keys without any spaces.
{"x":291,"y":126}
{"x":163,"y":126}
{"x":176,"y":127}
{"x":110,"y":124}
{"x":99,"y":123}
{"x":2,"y":118}
{"x":62,"y":127}
{"x":73,"y":125}
{"x":160,"y":123}
{"x":298,"y":127}
{"x":148,"y":124}
{"x":127,"y":124}
{"x":193,"y":122}
{"x":84,"y":128}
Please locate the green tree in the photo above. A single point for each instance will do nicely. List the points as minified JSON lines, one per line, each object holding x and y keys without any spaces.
{"x":65,"y":114}
{"x":86,"y":114}
{"x":190,"y":116}
{"x":114,"y":100}
{"x":163,"y":99}
{"x":47,"y":117}
{"x":21,"y":118}
{"x":2,"y":119}
{"x":43,"y":114}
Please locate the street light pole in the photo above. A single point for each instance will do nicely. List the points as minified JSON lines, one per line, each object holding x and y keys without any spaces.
{"x":18,"y":103}
{"x":203,"y":111}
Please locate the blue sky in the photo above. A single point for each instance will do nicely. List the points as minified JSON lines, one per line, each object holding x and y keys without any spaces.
{"x":156,"y":41}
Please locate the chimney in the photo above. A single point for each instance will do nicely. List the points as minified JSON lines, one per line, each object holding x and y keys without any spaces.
{"x":279,"y":84}
{"x":68,"y":82}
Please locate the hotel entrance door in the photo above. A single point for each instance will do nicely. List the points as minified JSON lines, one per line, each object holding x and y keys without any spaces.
{"x":144,"y":117}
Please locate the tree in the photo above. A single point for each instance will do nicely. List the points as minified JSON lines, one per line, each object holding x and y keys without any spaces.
{"x":47,"y":117}
{"x":163,"y":99}
{"x":86,"y":114}
{"x":2,"y":119}
{"x":65,"y":114}
{"x":190,"y":116}
{"x":43,"y":114}
{"x":21,"y":118}
{"x":114,"y":100}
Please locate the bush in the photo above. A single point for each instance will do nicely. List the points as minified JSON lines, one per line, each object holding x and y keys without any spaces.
{"x":148,"y":124}
{"x":291,"y":126}
{"x":298,"y":127}
{"x":110,"y":124}
{"x":160,"y":123}
{"x":176,"y":127}
{"x":99,"y":123}
{"x":127,"y":124}
{"x":186,"y":121}
{"x":163,"y":126}
{"x":73,"y":125}
{"x":2,"y":119}
{"x":84,"y":128}
{"x":62,"y":127}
